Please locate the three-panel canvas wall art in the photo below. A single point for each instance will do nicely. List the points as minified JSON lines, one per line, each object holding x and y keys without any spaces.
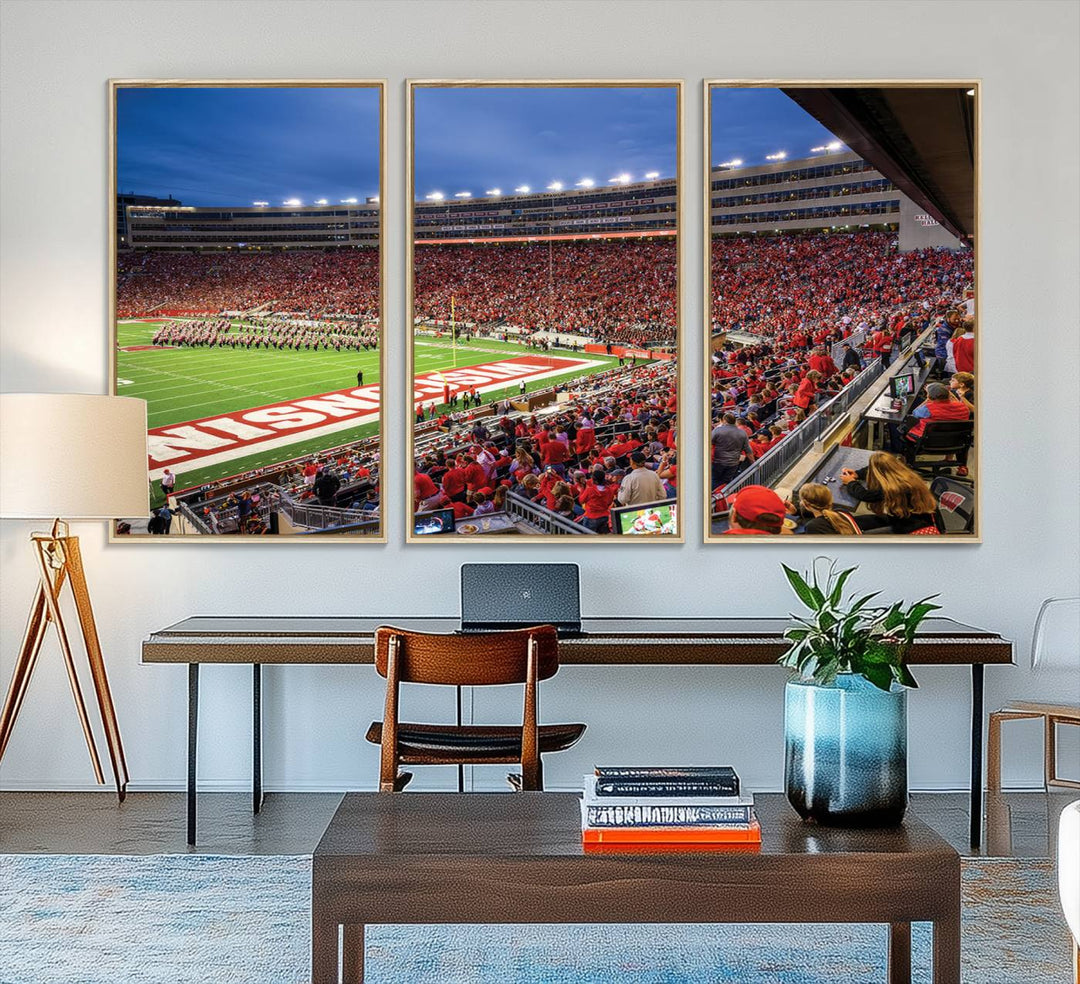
{"x":545,"y":331}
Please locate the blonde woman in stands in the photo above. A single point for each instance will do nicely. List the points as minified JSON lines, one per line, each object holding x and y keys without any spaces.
{"x":826,"y":519}
{"x":898,"y":497}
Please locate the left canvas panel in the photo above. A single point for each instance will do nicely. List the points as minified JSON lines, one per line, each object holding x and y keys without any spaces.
{"x":248,"y":305}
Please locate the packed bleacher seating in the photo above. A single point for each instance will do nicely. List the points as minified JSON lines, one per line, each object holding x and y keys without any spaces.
{"x":311,"y":282}
{"x":804,"y":295}
{"x":623,"y":291}
{"x":611,"y":443}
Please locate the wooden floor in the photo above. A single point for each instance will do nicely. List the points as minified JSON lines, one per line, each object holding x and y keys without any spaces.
{"x":1022,"y":824}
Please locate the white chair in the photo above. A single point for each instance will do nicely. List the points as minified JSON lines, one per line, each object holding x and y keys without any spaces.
{"x":1069,"y":875}
{"x":1055,"y":645}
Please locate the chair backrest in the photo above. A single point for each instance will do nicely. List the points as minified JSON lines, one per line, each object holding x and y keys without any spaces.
{"x":474,"y":659}
{"x":956,"y":504}
{"x":947,"y":436}
{"x":1055,"y":642}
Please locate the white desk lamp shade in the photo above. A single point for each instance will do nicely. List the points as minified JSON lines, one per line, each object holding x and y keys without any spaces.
{"x":1055,"y":643}
{"x":72,"y":456}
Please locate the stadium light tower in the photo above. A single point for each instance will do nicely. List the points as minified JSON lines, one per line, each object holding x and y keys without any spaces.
{"x":778,"y":156}
{"x":351,"y":201}
{"x":292,"y":201}
{"x":494,"y":192}
{"x":435,"y":196}
{"x":586,"y":183}
{"x":260,"y":204}
{"x":463,"y":194}
{"x":833,"y":145}
{"x":321,"y":201}
{"x":621,"y":179}
{"x":522,"y":190}
{"x":734,"y":162}
{"x":652,"y":175}
{"x":555,"y":186}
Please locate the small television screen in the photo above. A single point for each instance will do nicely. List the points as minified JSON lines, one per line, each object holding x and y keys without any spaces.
{"x":902,"y":386}
{"x":434,"y":522}
{"x":647,"y":519}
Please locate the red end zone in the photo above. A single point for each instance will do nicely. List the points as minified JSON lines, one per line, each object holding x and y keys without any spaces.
{"x":212,"y":440}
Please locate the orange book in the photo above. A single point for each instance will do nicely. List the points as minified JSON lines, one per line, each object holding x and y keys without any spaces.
{"x":749,"y":834}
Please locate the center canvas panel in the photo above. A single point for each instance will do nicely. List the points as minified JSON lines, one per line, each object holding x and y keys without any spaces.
{"x":545,"y":310}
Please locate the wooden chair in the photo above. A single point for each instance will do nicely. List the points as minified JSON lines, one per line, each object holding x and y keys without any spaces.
{"x":483,"y":659}
{"x":1058,"y":619}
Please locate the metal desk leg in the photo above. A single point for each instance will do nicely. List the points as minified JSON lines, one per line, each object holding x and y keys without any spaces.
{"x":192,"y":748}
{"x":976,"y":753}
{"x":256,"y":738}
{"x":461,"y":767}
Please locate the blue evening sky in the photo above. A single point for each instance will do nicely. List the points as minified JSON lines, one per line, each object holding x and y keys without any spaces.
{"x":748,"y":124}
{"x":475,"y":139}
{"x":234,"y":146}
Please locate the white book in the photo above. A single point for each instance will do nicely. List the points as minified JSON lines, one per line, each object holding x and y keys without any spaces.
{"x":591,"y":799}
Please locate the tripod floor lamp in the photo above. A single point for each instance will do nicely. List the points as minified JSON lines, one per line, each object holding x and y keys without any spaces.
{"x":78,"y":457}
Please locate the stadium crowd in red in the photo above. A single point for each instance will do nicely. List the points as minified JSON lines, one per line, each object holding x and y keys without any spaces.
{"x":804,"y":294}
{"x":315,"y":282}
{"x":613,"y":443}
{"x":773,"y":285}
{"x":625,"y":291}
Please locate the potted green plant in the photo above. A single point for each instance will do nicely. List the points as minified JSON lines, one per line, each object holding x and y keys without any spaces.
{"x":845,"y":714}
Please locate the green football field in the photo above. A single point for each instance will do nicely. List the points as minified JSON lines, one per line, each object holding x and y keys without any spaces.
{"x":184,"y":384}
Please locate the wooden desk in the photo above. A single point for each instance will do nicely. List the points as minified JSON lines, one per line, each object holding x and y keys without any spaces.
{"x":272,"y":639}
{"x":486,"y":858}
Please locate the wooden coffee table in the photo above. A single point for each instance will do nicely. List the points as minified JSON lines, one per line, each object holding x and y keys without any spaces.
{"x":427,"y":858}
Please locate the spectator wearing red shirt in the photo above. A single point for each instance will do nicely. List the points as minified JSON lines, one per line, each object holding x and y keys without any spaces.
{"x":596,"y":499}
{"x":963,"y":347}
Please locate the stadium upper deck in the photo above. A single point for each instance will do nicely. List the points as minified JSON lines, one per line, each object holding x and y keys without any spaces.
{"x":818,"y":194}
{"x":253,"y":227}
{"x":646,"y":208}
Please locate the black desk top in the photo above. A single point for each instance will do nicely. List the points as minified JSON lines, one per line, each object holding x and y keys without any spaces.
{"x":687,"y":640}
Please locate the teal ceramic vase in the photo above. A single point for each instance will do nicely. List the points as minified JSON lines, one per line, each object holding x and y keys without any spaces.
{"x":846,"y":752}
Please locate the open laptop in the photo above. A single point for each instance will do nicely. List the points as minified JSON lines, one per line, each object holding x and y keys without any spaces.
{"x":515,"y":596}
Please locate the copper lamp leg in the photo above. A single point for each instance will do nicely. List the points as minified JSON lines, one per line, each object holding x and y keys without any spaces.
{"x":24,"y":667}
{"x":51,"y":602}
{"x":97,"y":665}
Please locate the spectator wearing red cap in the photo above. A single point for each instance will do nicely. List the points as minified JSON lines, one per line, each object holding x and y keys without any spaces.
{"x":756,"y":510}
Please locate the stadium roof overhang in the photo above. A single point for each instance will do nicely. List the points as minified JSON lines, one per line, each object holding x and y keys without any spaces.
{"x":922,"y":138}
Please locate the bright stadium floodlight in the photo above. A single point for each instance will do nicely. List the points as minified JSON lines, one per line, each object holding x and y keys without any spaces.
{"x":463,"y":194}
{"x":435,"y":196}
{"x":321,"y":201}
{"x":522,"y":190}
{"x":833,"y":145}
{"x":586,"y":183}
{"x":621,"y":179}
{"x":260,"y":204}
{"x":351,"y":201}
{"x":555,"y":186}
{"x":292,"y":201}
{"x":778,"y":156}
{"x":818,"y":150}
{"x":374,"y":199}
{"x":494,"y":192}
{"x":651,"y":175}
{"x":734,"y":162}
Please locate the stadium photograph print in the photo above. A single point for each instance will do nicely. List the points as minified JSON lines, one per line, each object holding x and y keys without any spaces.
{"x":247,"y":305}
{"x":545,"y":313}
{"x":841,"y":349}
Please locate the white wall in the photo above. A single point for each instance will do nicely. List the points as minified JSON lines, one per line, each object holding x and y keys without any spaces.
{"x":56,"y":57}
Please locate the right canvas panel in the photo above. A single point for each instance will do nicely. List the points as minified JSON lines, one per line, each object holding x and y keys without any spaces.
{"x":842,"y":340}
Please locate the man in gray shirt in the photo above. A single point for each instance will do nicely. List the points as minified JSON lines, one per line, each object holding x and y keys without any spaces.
{"x":642,"y":484}
{"x":729,"y":443}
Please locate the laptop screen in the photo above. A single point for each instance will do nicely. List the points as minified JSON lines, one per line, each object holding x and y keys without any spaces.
{"x":518,"y":595}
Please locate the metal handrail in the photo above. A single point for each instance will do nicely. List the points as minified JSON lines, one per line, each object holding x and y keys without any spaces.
{"x":518,"y":507}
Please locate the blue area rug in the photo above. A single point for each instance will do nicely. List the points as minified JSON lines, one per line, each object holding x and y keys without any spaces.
{"x":246,"y":920}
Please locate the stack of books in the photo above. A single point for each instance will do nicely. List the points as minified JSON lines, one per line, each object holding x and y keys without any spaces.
{"x":678,"y":806}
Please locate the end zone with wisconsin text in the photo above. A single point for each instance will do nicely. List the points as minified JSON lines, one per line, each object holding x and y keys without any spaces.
{"x":212,"y":440}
